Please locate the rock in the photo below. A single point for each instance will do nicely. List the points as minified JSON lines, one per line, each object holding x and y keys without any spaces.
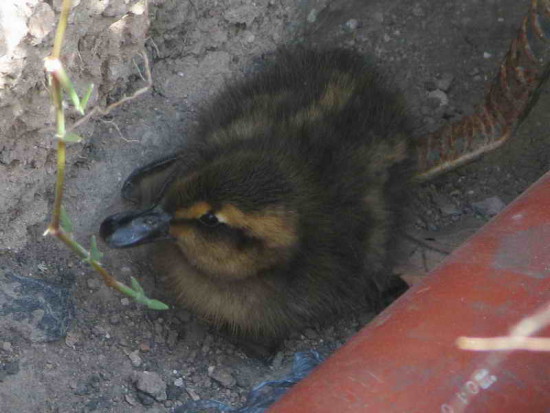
{"x":37,"y":310}
{"x":151,"y":384}
{"x":71,"y":339}
{"x":130,"y":400}
{"x":489,"y":206}
{"x":172,"y":338}
{"x":93,"y":283}
{"x":439,"y":96}
{"x":351,"y":25}
{"x":449,"y":209}
{"x":6,"y":346}
{"x":277,"y":361}
{"x":222,"y":376}
{"x":446,"y":206}
{"x":193,"y":394}
{"x":135,"y":359}
{"x":445,"y":82}
{"x":312,"y":16}
{"x":100,"y":332}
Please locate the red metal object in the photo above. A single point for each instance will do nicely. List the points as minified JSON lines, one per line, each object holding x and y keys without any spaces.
{"x":406,"y":360}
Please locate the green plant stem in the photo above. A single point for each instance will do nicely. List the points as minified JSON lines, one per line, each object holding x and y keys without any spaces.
{"x":108,"y":279}
{"x":59,"y":80}
{"x":85,"y":255}
{"x":61,"y":153}
{"x":60,"y":33}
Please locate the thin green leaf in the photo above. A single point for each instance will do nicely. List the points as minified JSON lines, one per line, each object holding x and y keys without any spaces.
{"x":139,"y":297}
{"x":71,"y":137}
{"x":95,"y":253}
{"x":127,"y":290}
{"x":136,"y":286}
{"x":156,"y":305}
{"x":65,"y":221}
{"x":86,"y":98}
{"x":67,"y":85}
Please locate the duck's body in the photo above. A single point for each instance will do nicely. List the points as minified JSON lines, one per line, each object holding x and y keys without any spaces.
{"x":281,"y":207}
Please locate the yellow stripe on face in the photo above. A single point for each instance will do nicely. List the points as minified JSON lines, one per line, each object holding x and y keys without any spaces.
{"x":275,"y":226}
{"x":194,"y":212}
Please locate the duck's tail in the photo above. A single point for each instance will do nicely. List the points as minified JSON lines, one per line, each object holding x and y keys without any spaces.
{"x":510,"y":98}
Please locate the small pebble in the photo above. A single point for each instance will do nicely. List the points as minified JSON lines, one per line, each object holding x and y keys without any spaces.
{"x":172,"y":338}
{"x":277,"y":361}
{"x":135,"y":358}
{"x":125,"y":301}
{"x":192,"y":393}
{"x":489,"y":206}
{"x":151,"y":384}
{"x":351,"y":25}
{"x":249,"y":37}
{"x":312,"y":16}
{"x":222,"y":376}
{"x":440,"y":96}
{"x":6,"y":346}
{"x":99,"y":331}
{"x":93,"y":283}
{"x":130,"y":400}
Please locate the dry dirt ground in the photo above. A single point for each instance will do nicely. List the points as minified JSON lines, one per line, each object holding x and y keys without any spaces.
{"x":68,"y":343}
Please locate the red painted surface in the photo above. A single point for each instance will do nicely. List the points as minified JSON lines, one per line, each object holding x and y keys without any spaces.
{"x":406,"y":360}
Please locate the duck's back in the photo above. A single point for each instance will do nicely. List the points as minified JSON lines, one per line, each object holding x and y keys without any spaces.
{"x":325,"y":98}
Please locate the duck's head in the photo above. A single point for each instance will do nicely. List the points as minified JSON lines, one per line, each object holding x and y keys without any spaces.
{"x":231,"y":217}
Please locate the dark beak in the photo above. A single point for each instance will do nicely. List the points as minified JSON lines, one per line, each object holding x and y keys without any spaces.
{"x":131,"y":228}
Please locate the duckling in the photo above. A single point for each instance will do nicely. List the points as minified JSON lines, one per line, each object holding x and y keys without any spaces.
{"x":280,"y":209}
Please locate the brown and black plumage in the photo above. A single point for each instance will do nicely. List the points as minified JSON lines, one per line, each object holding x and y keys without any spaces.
{"x":280,"y":209}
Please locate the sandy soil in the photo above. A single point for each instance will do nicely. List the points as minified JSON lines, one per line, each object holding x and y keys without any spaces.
{"x":68,"y":343}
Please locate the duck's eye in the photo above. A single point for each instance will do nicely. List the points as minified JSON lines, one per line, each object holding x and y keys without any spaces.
{"x":209,"y":219}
